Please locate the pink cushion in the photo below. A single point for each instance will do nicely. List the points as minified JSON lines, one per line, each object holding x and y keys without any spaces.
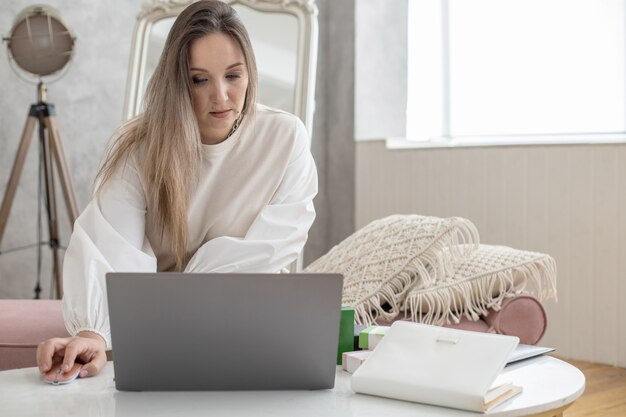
{"x":522,"y":316}
{"x":23,"y":325}
{"x":464,"y":324}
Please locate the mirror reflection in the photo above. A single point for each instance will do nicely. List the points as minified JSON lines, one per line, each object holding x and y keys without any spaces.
{"x":274,"y":38}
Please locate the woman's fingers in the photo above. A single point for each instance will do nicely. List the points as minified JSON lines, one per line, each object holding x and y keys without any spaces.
{"x":46,"y":351}
{"x":85,"y":349}
{"x":95,"y":365}
{"x":73,"y":349}
{"x":68,"y":350}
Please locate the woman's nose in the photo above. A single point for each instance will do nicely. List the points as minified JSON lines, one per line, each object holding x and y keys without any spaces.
{"x":219,"y":93}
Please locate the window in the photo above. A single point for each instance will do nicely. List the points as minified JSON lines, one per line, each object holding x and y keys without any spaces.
{"x":516,"y":71}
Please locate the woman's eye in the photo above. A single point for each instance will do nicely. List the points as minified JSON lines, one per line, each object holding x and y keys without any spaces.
{"x":198,"y":81}
{"x":233,"y":76}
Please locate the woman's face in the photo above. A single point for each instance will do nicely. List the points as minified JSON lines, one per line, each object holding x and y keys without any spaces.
{"x":219,"y":80}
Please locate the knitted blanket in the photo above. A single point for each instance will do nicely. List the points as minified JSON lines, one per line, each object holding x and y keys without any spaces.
{"x":384,"y":259}
{"x":481,"y":282}
{"x":432,"y":269}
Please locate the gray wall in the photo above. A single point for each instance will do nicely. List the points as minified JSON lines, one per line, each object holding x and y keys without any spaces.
{"x":361,"y":93}
{"x":333,"y":144}
{"x":89,"y":101}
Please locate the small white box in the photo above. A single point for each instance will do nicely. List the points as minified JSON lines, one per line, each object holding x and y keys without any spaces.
{"x":350,"y":361}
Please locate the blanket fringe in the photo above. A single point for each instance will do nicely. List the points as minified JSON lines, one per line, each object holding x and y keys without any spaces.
{"x":474,"y":297}
{"x":432,"y":264}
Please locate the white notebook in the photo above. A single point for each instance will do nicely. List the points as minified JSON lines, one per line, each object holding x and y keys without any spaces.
{"x":439,"y":366}
{"x":522,"y":352}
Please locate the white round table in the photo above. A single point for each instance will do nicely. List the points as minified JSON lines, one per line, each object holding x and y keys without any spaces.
{"x":548,"y":384}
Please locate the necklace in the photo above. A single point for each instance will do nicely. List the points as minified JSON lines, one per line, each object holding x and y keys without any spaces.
{"x":235,"y":126}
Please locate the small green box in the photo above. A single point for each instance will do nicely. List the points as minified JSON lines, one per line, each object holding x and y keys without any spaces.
{"x":371,"y":336}
{"x":346,"y":332}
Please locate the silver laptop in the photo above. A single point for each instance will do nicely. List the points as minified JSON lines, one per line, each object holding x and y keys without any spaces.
{"x":189,"y":332}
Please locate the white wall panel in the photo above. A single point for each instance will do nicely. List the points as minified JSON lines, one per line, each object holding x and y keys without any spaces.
{"x":566,"y":201}
{"x":581,"y":252}
{"x":605,"y":254}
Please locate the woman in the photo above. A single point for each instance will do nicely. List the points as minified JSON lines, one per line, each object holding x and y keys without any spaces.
{"x":205,"y":180}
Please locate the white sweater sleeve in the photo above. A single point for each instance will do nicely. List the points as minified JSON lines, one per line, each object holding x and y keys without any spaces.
{"x":108,"y":236}
{"x":279,"y":231}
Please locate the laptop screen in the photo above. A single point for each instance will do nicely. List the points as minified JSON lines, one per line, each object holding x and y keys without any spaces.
{"x":175,"y":331}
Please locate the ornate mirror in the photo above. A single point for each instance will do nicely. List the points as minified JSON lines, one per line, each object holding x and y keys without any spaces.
{"x":284,"y":38}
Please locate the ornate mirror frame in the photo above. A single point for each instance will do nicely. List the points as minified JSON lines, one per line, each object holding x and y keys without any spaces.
{"x":305,"y":11}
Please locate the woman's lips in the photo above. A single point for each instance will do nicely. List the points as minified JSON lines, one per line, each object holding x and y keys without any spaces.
{"x":220,"y":114}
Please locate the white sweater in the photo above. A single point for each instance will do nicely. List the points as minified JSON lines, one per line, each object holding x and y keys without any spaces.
{"x":250,"y":212}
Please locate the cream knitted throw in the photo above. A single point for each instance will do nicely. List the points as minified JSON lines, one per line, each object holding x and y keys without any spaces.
{"x":384,"y":259}
{"x":432,"y":269}
{"x":482,"y":281}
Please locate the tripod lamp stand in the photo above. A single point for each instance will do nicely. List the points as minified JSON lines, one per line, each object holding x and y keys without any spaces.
{"x":41,"y":45}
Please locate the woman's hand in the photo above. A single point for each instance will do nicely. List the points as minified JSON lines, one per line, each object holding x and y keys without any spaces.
{"x":87,"y":348}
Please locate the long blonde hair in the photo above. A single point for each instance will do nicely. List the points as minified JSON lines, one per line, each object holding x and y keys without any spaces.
{"x":166,"y":135}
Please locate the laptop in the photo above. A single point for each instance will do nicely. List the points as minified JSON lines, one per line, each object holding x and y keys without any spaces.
{"x":191,"y":332}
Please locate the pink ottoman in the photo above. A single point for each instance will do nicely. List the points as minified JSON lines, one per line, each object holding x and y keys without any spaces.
{"x":23,"y":325}
{"x":521,"y":315}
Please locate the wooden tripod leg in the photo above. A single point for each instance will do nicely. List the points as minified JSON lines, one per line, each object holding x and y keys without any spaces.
{"x":51,"y":206}
{"x":16,"y":171}
{"x":58,"y":273}
{"x":64,"y":174}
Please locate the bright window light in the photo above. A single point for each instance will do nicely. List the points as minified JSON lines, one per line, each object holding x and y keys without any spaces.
{"x":501,"y":68}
